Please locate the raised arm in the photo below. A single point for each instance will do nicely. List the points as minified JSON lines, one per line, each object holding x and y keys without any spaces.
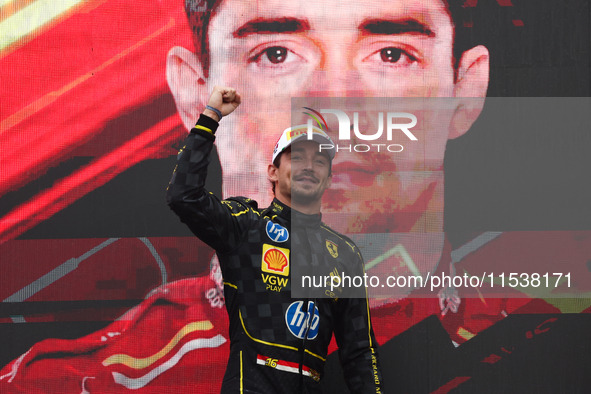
{"x":217,"y":223}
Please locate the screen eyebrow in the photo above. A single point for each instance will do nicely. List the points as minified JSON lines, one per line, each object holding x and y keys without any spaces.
{"x":396,"y":26}
{"x":271,"y":26}
{"x":322,"y":154}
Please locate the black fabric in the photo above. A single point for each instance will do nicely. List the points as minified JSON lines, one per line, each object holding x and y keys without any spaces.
{"x":208,"y":122}
{"x":257,"y":286}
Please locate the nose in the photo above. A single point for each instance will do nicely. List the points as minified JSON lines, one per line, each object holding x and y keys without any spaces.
{"x":308,"y":164}
{"x":336,"y":81}
{"x":336,"y":75}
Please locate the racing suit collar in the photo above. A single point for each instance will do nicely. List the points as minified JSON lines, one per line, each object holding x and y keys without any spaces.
{"x":295,"y":217}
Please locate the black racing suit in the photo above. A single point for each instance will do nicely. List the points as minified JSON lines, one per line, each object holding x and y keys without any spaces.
{"x":257,"y":248}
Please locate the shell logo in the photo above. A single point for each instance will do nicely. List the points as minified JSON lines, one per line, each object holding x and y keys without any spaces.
{"x":275,"y":260}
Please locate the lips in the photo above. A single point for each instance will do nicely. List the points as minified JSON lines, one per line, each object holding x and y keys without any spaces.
{"x":350,"y":173}
{"x":308,"y":179}
{"x":351,"y":212}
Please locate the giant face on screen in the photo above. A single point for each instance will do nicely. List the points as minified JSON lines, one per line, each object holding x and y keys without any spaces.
{"x":272,"y":51}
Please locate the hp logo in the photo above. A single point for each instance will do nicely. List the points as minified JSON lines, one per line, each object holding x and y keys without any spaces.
{"x":298,"y":319}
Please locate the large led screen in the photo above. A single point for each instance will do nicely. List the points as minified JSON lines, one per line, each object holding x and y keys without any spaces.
{"x":103,"y":289}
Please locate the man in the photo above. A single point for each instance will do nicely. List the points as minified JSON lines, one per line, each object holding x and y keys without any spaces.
{"x":278,"y":343}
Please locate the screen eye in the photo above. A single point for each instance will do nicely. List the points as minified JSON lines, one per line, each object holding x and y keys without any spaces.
{"x":276,"y":54}
{"x":391,"y":55}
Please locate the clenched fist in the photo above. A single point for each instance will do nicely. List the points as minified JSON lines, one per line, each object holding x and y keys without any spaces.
{"x":224,"y":99}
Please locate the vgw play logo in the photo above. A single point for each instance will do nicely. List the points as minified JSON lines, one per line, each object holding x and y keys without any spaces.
{"x":345,"y":128}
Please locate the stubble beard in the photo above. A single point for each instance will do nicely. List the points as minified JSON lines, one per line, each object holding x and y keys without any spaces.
{"x":304,"y":197}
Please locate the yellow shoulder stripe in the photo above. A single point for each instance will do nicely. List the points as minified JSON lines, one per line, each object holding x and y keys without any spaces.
{"x":232,"y":207}
{"x":330,"y":230}
{"x":231,"y":285}
{"x":240,"y":213}
{"x":350,"y":245}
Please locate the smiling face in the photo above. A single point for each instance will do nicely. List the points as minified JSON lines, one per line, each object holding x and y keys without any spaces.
{"x":272,"y":50}
{"x":301,"y":176}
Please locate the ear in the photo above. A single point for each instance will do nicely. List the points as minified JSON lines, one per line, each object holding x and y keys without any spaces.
{"x":272,"y":173}
{"x":329,"y":181}
{"x":470,"y":89}
{"x":184,"y":74}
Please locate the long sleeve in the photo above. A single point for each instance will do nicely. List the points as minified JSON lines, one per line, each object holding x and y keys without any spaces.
{"x":357,"y":344}
{"x":220,"y":224}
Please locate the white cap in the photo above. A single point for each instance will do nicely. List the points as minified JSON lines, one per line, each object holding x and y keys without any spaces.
{"x":300,"y":133}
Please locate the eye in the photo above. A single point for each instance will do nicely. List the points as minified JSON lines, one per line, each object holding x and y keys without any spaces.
{"x":276,"y":57}
{"x":276,"y":54}
{"x":391,"y":56}
{"x":280,"y":56}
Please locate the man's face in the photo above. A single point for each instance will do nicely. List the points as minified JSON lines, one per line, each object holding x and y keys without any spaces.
{"x":277,"y":50}
{"x":272,"y":50}
{"x":303,"y":173}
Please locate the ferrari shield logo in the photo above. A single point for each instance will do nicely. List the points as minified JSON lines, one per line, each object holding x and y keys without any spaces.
{"x":332,"y":248}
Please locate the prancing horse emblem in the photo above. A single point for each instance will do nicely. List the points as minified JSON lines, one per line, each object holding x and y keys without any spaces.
{"x":332,"y":248}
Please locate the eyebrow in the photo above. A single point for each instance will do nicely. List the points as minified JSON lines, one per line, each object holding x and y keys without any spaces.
{"x":397,"y":26}
{"x":271,"y":26}
{"x":295,"y":25}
